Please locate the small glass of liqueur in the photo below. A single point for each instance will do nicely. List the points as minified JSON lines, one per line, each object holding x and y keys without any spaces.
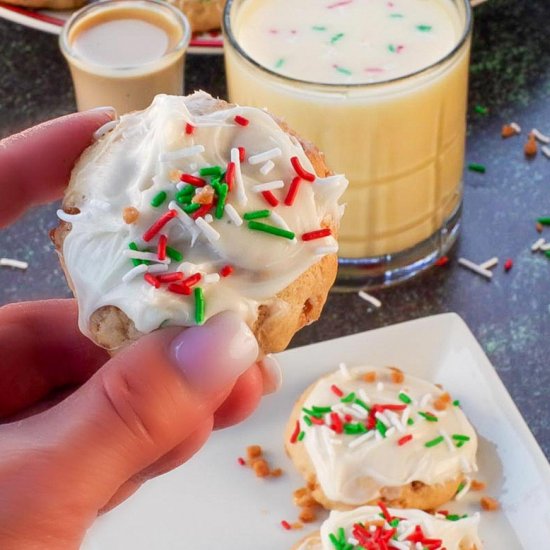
{"x":124,"y":52}
{"x":381,"y":88}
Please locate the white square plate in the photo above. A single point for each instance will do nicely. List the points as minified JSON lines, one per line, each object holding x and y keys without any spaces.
{"x":212,"y":502}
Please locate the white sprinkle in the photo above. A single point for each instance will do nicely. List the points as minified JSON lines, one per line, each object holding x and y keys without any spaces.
{"x":516,"y":127}
{"x":390,"y":432}
{"x":70,"y":218}
{"x":181,"y":153}
{"x":540,"y":136}
{"x":265,"y":156}
{"x":211,"y":278}
{"x":240,"y":193}
{"x":267,"y":167}
{"x":475,"y":268}
{"x":489,"y":263}
{"x":346,"y":409}
{"x":150,"y":256}
{"x":425,"y":400}
{"x":359,"y":411}
{"x":383,"y":418}
{"x":398,"y":545}
{"x":9,"y":262}
{"x":157,"y":268}
{"x":208,"y":218}
{"x":134,"y":272}
{"x":180,"y":185}
{"x":537,"y":244}
{"x":353,"y":540}
{"x":466,"y":468}
{"x":233,"y":215}
{"x":545,"y":247}
{"x":419,"y":546}
{"x":345,"y":371}
{"x":325,"y":250}
{"x":208,"y":231}
{"x":464,"y":491}
{"x":107,"y":127}
{"x":363,"y":395}
{"x":370,"y":299}
{"x":394,"y":418}
{"x":361,"y":439}
{"x":184,"y":218}
{"x":268,"y":186}
{"x":189,"y":268}
{"x":546,"y":150}
{"x":406,"y":415}
{"x":277,"y":219}
{"x":448,"y":441}
{"x":378,"y":436}
{"x":380,"y":386}
{"x":406,"y":532}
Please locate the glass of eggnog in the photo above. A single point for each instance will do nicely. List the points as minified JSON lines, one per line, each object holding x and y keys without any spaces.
{"x":380,"y":86}
{"x":124,"y":52}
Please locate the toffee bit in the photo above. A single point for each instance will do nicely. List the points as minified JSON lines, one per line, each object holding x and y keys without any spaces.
{"x":277,"y":472}
{"x":538,"y":227}
{"x":478,"y":485}
{"x":204,"y":196}
{"x":489,"y":504}
{"x":307,"y":515}
{"x":508,"y":131}
{"x":130,"y":214}
{"x":530,"y":148}
{"x":442,"y":402}
{"x":369,"y":377}
{"x":261,"y":468}
{"x":396,"y":375}
{"x":254,"y":451}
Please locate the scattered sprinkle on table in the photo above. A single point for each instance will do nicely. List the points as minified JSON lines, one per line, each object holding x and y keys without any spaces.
{"x":493,"y":262}
{"x":472,"y":266}
{"x":370,"y":299}
{"x":17,"y":264}
{"x":476,"y":167}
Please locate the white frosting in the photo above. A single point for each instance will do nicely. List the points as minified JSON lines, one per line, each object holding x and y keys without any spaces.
{"x":454,"y":535}
{"x":133,"y":163}
{"x":353,"y":468}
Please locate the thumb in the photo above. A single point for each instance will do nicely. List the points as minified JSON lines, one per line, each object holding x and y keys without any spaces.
{"x":135,"y":409}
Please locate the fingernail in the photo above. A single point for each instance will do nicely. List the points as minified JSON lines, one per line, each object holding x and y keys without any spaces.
{"x":217,"y":353}
{"x":272,"y":374}
{"x":111,"y":111}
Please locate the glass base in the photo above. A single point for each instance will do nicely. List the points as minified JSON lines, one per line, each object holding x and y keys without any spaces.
{"x":390,"y":269}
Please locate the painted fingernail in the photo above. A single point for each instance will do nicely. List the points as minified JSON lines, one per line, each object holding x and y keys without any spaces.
{"x":111,"y":111}
{"x":217,"y":353}
{"x":272,"y":374}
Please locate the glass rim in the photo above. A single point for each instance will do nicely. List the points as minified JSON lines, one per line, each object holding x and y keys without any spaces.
{"x":328,"y":86}
{"x":99,"y":5}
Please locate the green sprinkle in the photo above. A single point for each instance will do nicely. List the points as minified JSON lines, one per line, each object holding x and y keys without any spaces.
{"x":455,"y":517}
{"x":460,"y":444}
{"x":392,"y":48}
{"x":191,"y":208}
{"x":319,"y":28}
{"x":158,"y":199}
{"x":200,"y":306}
{"x":134,"y":246}
{"x":428,"y":417}
{"x":460,"y":487}
{"x":349,"y":398}
{"x":301,"y":436}
{"x":481,"y":110}
{"x":222,"y":197}
{"x":256,"y":214}
{"x":405,"y":398}
{"x":395,"y":522}
{"x":334,"y":540}
{"x":547,"y":253}
{"x":277,"y":231}
{"x":380,"y":426}
{"x":280,"y":63}
{"x":410,"y":422}
{"x":397,"y":16}
{"x":337,"y":37}
{"x":545,"y":220}
{"x":434,"y":442}
{"x":312,"y":413}
{"x":361,"y":403}
{"x":459,"y":437}
{"x":214,"y":171}
{"x":475,"y":167}
{"x":174,"y":254}
{"x":322,"y":410}
{"x":456,"y":403}
{"x":307,"y":420}
{"x":184,"y":196}
{"x":342,"y":70}
{"x":353,"y":429}
{"x":424,"y":28}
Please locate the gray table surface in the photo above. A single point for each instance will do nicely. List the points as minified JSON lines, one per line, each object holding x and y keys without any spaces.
{"x":510,"y":316}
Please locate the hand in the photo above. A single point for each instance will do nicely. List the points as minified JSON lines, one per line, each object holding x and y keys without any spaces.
{"x":82,"y":431}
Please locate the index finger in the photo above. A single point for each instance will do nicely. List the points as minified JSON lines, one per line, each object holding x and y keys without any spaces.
{"x":35,"y":165}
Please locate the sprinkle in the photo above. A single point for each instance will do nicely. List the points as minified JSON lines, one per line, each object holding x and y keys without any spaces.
{"x":434,"y":442}
{"x":241,"y":120}
{"x":385,"y":512}
{"x":134,"y":272}
{"x":318,"y":234}
{"x":546,"y":151}
{"x":443,"y":261}
{"x":170,"y":277}
{"x":208,"y":231}
{"x":516,"y":127}
{"x":448,"y":441}
{"x":202,"y":211}
{"x":242,"y":153}
{"x":181,"y":153}
{"x":544,"y":220}
{"x":339,"y":4}
{"x":295,"y":433}
{"x":370,"y":299}
{"x":342,"y":70}
{"x":293,"y":191}
{"x":428,"y":28}
{"x":265,"y":156}
{"x":211,"y":278}
{"x":286,"y":525}
{"x":158,"y":199}
{"x":192,"y":208}
{"x":157,"y":268}
{"x":158,"y":225}
{"x":481,"y":110}
{"x":428,"y":416}
{"x":222,"y":197}
{"x":102,"y":130}
{"x":152,"y":280}
{"x":326,"y":250}
{"x":241,"y":197}
{"x":460,"y":437}
{"x":199,"y":306}
{"x":277,"y":231}
{"x":256,"y":214}
{"x":268,"y":186}
{"x":138,"y":255}
{"x":174,"y":254}
{"x":456,"y":403}
{"x":475,"y":167}
{"x":463,"y":489}
{"x":361,"y":439}
{"x":537,"y":245}
{"x":270,"y":198}
{"x":489,"y":263}
{"x":301,"y":436}
{"x":161,"y":247}
{"x":233,"y":215}
{"x":530,"y":148}
{"x":405,"y":398}
{"x":405,"y":439}
{"x":189,"y":129}
{"x":508,"y":264}
{"x":538,"y":227}
{"x":337,"y":37}
{"x":211,"y":171}
{"x":226,"y":270}
{"x":508,"y":130}
{"x":230,"y":175}
{"x":395,"y":48}
{"x":539,"y":136}
{"x":280,"y":62}
{"x":179,"y":289}
{"x":278,"y":220}
{"x":300,"y":170}
{"x":10,"y":262}
{"x":318,"y":28}
{"x":193,"y":180}
{"x":346,"y":373}
{"x":475,"y":268}
{"x":336,"y":390}
{"x":267,"y":167}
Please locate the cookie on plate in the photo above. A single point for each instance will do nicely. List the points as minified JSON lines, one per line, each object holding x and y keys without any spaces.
{"x":370,"y":526}
{"x":193,"y":207}
{"x":203,"y":15}
{"x":366,"y":434}
{"x":48,"y":4}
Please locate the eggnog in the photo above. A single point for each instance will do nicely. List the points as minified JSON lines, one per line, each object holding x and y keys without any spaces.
{"x":380,"y":86}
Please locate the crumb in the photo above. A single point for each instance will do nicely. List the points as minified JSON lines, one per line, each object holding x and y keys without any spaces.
{"x":539,"y":227}
{"x":277,"y":472}
{"x":130,"y":214}
{"x":296,"y":525}
{"x":204,"y":196}
{"x":508,"y":131}
{"x":254,"y":451}
{"x":397,"y":376}
{"x":260,"y":467}
{"x":308,"y":514}
{"x":531,"y":148}
{"x":477,"y":485}
{"x":442,"y":402}
{"x":489,"y":504}
{"x":175,"y":175}
{"x":369,"y":377}
{"x":440,"y":386}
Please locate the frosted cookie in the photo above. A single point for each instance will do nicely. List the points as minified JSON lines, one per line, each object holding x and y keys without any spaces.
{"x":193,"y":207}
{"x":365,"y":435}
{"x":380,"y":527}
{"x":49,"y":4}
{"x":203,"y":15}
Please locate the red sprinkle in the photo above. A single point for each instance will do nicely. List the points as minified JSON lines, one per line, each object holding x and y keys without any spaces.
{"x":193,"y":180}
{"x":300,"y":170}
{"x":152,"y":280}
{"x":336,"y":425}
{"x":319,"y":234}
{"x":270,"y":198}
{"x":286,"y":525}
{"x":318,"y":421}
{"x":295,"y":433}
{"x":193,"y":280}
{"x":202,"y":211}
{"x":158,"y":225}
{"x":230,"y":175}
{"x":179,"y":289}
{"x":189,"y":129}
{"x":443,"y":261}
{"x":509,"y":264}
{"x":348,"y":418}
{"x":161,"y":247}
{"x":241,"y":461}
{"x":226,"y":270}
{"x":293,"y":191}
{"x":385,"y":512}
{"x":241,"y":121}
{"x":170,"y":277}
{"x":336,"y":390}
{"x":242,"y":153}
{"x":404,"y":439}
